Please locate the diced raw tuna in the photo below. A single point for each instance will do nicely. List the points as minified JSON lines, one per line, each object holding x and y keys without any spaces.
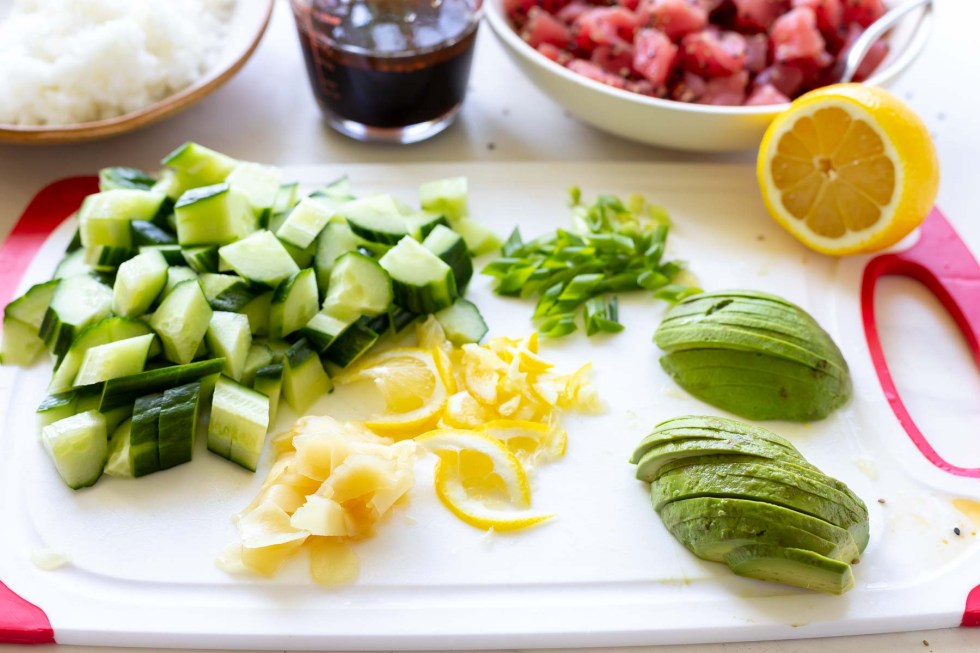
{"x":594,"y":72}
{"x":726,"y":91}
{"x":542,"y":27}
{"x":863,"y":12}
{"x":759,"y":14}
{"x":689,"y":88}
{"x":766,"y":94}
{"x":616,"y":59}
{"x":785,"y":78}
{"x":518,"y":9}
{"x":675,"y":18}
{"x":712,"y":53}
{"x":795,"y":37}
{"x":829,"y":13}
{"x":756,"y":53}
{"x":556,"y":54}
{"x":605,"y":26}
{"x":570,"y":12}
{"x":655,"y":56}
{"x":629,"y":4}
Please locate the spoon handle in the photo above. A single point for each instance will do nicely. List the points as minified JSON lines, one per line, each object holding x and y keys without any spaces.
{"x":859,"y":49}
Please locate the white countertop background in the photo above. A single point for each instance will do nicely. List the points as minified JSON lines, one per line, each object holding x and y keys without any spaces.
{"x":267,"y":113}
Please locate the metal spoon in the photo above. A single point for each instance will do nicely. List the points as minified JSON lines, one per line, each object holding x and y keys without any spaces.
{"x":859,"y":49}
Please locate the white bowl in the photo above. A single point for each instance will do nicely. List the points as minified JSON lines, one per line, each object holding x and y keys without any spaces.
{"x":678,"y":125}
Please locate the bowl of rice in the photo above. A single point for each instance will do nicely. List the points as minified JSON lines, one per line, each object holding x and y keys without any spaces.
{"x":81,"y":70}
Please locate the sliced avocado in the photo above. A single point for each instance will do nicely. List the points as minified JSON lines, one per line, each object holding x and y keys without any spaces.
{"x":708,"y":428}
{"x":791,"y":566}
{"x":769,"y":484}
{"x":713,"y":538}
{"x":763,"y":517}
{"x":649,"y":464}
{"x":758,"y":386}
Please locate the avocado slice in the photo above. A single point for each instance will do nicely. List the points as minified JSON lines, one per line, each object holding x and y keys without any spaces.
{"x":758,"y":386}
{"x":649,"y":464}
{"x":758,"y":483}
{"x":717,"y":526}
{"x":707,"y":427}
{"x":791,"y":566}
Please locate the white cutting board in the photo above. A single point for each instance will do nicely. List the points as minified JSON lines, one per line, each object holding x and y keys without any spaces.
{"x":605,"y":573}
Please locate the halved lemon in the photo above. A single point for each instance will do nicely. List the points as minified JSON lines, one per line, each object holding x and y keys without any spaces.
{"x":848,"y":169}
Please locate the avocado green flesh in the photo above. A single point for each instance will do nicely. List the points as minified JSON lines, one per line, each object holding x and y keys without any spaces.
{"x":711,"y":428}
{"x":658,"y":438}
{"x":774,"y":487}
{"x":758,"y":513}
{"x":713,"y":538}
{"x":791,"y":566}
{"x":651,"y":462}
{"x":755,"y":386}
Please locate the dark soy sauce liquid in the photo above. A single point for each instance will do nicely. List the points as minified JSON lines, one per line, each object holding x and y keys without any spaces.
{"x":388,"y":63}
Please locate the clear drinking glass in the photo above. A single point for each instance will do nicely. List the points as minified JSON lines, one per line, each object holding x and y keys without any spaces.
{"x":388,"y":70}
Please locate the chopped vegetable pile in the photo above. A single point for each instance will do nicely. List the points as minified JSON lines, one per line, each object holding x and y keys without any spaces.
{"x":723,"y":52}
{"x":615,"y":247}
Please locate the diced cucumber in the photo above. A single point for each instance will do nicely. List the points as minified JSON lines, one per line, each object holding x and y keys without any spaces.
{"x":422,"y":282}
{"x":120,"y":465}
{"x":451,"y":248}
{"x":400,"y":318}
{"x":106,"y":258}
{"x":125,"y":390}
{"x":229,"y":337}
{"x":113,"y":360}
{"x":201,"y":259}
{"x":72,"y":265}
{"x":172,"y":254}
{"x":139,"y":282}
{"x":55,"y":407}
{"x":77,"y":302}
{"x":286,"y":198}
{"x":446,"y":196}
{"x":195,"y":165}
{"x":239,"y":423}
{"x":260,"y":185}
{"x":479,"y":238}
{"x":30,"y":307}
{"x":110,"y":329}
{"x":78,"y":445}
{"x":114,"y":417}
{"x":268,"y":381}
{"x":338,"y":189}
{"x":352,"y":343}
{"x":226,"y":292}
{"x":176,"y":275}
{"x":260,"y":258}
{"x":377,"y":219}
{"x":178,"y":425}
{"x":358,"y":286}
{"x":147,"y":233}
{"x":259,"y":355}
{"x":257,"y":312}
{"x":21,"y":345}
{"x":144,"y":436}
{"x":324,"y":328}
{"x":181,"y":321}
{"x":75,"y":243}
{"x":294,"y":302}
{"x":121,"y":177}
{"x":335,"y":240}
{"x":302,"y":257}
{"x":462,"y":322}
{"x":304,"y":379}
{"x":421,"y":224}
{"x":213,"y":215}
{"x":305,"y":222}
{"x":104,"y":218}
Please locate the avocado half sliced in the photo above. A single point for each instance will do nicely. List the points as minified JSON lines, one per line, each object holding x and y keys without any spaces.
{"x":649,"y":465}
{"x":791,"y":566}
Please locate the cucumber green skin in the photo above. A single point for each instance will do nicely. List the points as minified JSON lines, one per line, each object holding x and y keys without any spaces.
{"x":178,"y":424}
{"x":58,"y":335}
{"x":456,"y":256}
{"x":201,"y":259}
{"x":110,"y":329}
{"x":30,"y":307}
{"x":225,"y":428}
{"x":106,"y":258}
{"x":124,"y":391}
{"x":259,"y":355}
{"x":56,"y":407}
{"x":791,"y":566}
{"x":299,"y":290}
{"x":144,"y":438}
{"x":352,"y":343}
{"x":714,"y":526}
{"x":756,"y":386}
{"x":431,"y":298}
{"x":148,"y":233}
{"x":335,"y":239}
{"x":268,"y":381}
{"x":172,"y":254}
{"x":123,"y":177}
{"x":304,"y":378}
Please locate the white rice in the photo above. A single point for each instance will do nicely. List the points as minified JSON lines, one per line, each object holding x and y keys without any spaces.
{"x":71,"y":61}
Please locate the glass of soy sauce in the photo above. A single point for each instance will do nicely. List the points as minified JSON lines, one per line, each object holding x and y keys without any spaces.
{"x":388,"y":70}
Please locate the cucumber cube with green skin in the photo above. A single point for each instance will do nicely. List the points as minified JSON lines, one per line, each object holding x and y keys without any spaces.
{"x":230,"y":337}
{"x":110,"y":329}
{"x":239,"y":423}
{"x":294,"y":303}
{"x":305,"y":222}
{"x":213,"y":215}
{"x":77,"y":303}
{"x":177,"y":274}
{"x":144,"y":438}
{"x":120,"y":464}
{"x":260,"y":258}
{"x":194,"y":165}
{"x":181,"y":321}
{"x":259,"y":183}
{"x":479,"y":238}
{"x":259,"y":355}
{"x":138,"y":283}
{"x":21,"y":344}
{"x":178,"y":425}
{"x":113,"y":360}
{"x":304,"y":379}
{"x":31,"y":306}
{"x":104,"y":218}
{"x":377,"y":219}
{"x":335,"y":240}
{"x":445,"y":196}
{"x":257,"y":312}
{"x":268,"y":381}
{"x":56,"y":407}
{"x":79,"y":446}
{"x":286,"y":198}
{"x":422,"y":282}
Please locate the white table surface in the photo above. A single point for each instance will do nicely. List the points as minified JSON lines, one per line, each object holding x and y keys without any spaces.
{"x":267,"y":113}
